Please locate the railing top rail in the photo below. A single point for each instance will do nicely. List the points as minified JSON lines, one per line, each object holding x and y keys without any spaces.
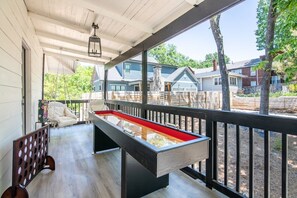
{"x":68,"y":101}
{"x":275,"y":123}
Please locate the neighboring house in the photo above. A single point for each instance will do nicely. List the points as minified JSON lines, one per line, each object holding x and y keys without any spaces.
{"x":182,"y":79}
{"x":253,"y":76}
{"x":210,"y":79}
{"x":127,"y":77}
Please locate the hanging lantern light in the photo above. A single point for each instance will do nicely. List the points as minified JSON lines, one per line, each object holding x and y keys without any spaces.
{"x":94,"y":46}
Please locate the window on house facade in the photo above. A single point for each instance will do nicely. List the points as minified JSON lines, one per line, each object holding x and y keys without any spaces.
{"x":118,"y":87}
{"x":233,"y":81}
{"x":275,"y":80}
{"x":252,"y":72}
{"x":237,"y":71}
{"x":217,"y":81}
{"x":253,"y":83}
{"x":136,"y":88}
{"x":127,"y":67}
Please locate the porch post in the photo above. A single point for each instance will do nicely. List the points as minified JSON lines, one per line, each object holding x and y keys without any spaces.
{"x":144,"y":83}
{"x":42,"y":83}
{"x":105,"y":84}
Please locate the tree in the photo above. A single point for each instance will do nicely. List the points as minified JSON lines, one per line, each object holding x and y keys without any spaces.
{"x":215,"y":27}
{"x":208,"y":62}
{"x":275,"y":34}
{"x":167,"y":54}
{"x":62,"y":87}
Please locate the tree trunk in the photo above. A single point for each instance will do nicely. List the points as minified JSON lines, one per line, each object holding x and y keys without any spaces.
{"x":265,"y":84}
{"x":215,"y":27}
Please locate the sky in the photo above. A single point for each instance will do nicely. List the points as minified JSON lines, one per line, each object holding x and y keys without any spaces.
{"x":238,"y":25}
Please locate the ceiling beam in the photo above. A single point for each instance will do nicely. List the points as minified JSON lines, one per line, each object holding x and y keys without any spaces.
{"x":86,"y":60}
{"x":196,"y":15}
{"x":78,"y":52}
{"x":113,"y":15}
{"x":82,"y":30}
{"x":194,"y":2}
{"x":59,"y":22}
{"x":72,"y":41}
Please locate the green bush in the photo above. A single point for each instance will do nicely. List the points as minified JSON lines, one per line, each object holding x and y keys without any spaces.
{"x":292,"y":88}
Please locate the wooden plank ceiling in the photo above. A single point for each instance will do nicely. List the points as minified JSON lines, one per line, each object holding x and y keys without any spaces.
{"x":64,"y":26}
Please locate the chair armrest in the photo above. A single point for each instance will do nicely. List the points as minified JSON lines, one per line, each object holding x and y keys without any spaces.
{"x":68,"y":113}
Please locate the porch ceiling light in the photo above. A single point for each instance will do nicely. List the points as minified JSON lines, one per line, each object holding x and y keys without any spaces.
{"x":94,"y":46}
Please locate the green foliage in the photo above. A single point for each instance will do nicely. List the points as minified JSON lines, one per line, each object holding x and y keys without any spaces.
{"x":293,"y":88}
{"x":210,"y":57}
{"x":277,"y":143}
{"x":61,"y":87}
{"x":272,"y":95}
{"x":285,"y":39}
{"x":167,"y":54}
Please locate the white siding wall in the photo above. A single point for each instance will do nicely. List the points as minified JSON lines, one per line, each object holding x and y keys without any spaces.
{"x":15,"y":28}
{"x":208,"y":85}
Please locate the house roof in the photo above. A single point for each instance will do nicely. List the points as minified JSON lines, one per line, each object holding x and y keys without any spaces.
{"x":177,"y":72}
{"x":113,"y":74}
{"x":246,"y":63}
{"x":215,"y":74}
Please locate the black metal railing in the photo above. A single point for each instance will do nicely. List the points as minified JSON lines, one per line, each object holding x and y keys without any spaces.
{"x":238,"y":142}
{"x":79,"y":107}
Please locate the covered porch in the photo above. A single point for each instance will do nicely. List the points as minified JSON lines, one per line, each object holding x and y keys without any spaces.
{"x":39,"y":37}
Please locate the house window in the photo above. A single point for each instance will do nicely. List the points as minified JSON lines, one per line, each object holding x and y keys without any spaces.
{"x":127,"y":67}
{"x":275,"y":80}
{"x":252,"y":72}
{"x":238,"y":71}
{"x":233,"y":81}
{"x":99,"y":88}
{"x":118,"y":87}
{"x":217,"y":81}
{"x":136,"y":88}
{"x":253,"y":83}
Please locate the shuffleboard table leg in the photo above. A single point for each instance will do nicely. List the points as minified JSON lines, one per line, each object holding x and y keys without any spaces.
{"x":101,"y":141}
{"x":136,"y":180}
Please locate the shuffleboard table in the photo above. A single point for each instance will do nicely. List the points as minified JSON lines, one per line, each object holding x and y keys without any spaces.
{"x":150,"y":151}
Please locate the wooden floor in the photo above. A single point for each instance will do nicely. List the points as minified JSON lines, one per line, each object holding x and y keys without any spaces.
{"x":80,"y":174}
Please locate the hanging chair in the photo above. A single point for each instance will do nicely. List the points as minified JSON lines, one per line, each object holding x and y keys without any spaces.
{"x":61,"y":115}
{"x":57,"y":113}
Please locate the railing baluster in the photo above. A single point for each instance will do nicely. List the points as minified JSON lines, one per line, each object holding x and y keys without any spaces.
{"x":174,"y":119}
{"x":251,"y":162}
{"x":179,"y":121}
{"x":284,"y":166}
{"x":199,"y":128}
{"x":192,"y":124}
{"x":215,"y":151}
{"x":165,"y":117}
{"x":237,"y":158}
{"x":186,"y":123}
{"x":225,"y":154}
{"x":266,"y":163}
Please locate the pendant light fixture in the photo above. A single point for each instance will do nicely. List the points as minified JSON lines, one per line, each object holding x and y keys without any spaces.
{"x":94,"y":46}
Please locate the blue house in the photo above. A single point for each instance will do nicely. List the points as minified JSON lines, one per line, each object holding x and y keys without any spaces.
{"x":126,"y":76}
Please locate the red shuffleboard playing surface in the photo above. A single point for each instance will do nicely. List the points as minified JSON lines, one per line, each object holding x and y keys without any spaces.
{"x":155,"y":134}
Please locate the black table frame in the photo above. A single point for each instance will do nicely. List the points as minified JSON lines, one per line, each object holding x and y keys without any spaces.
{"x":139,"y":169}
